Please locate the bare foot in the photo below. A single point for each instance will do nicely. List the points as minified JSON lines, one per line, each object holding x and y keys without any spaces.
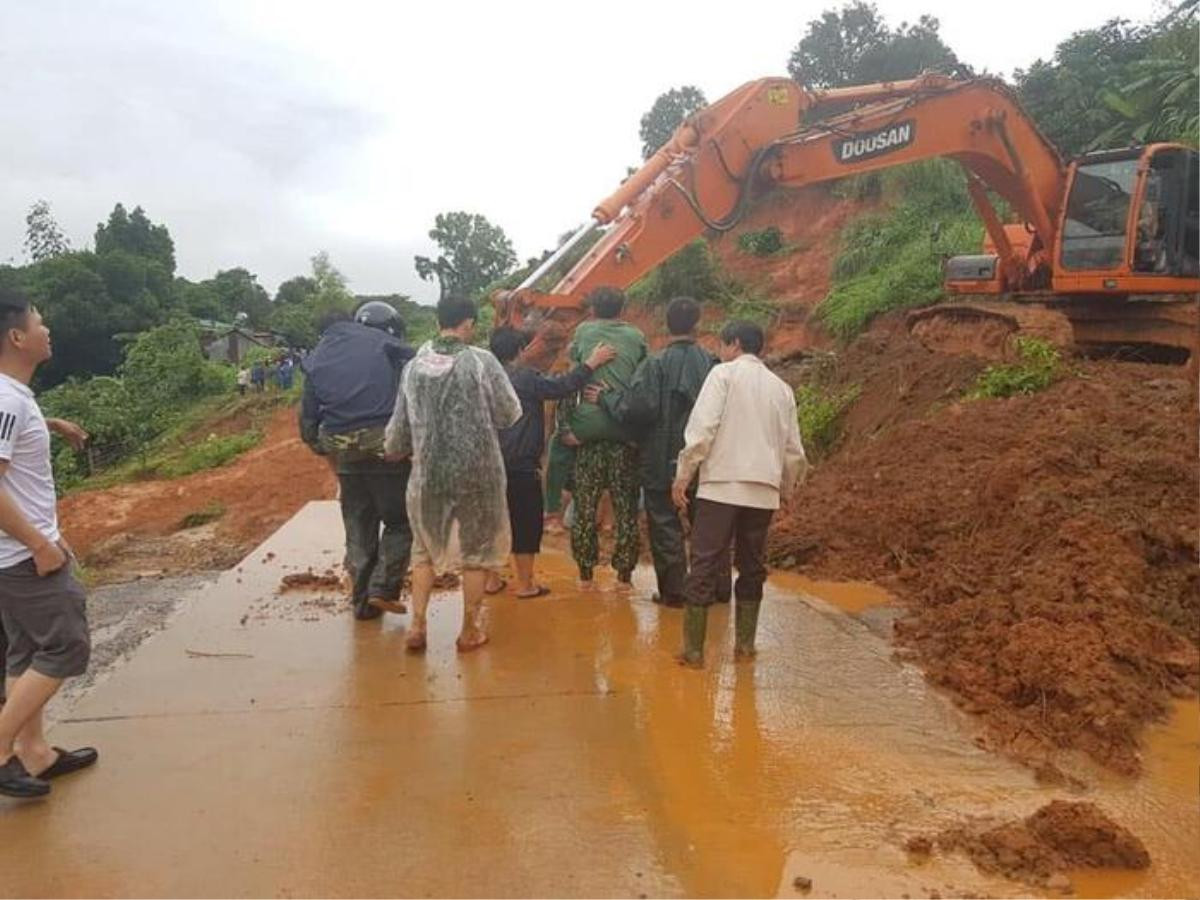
{"x":689,"y":662}
{"x":415,"y":642}
{"x":392,"y":606}
{"x":623,"y":587}
{"x":588,"y":587}
{"x":467,"y":643}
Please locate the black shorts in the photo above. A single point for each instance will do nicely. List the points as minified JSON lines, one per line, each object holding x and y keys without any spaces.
{"x":525,"y":508}
{"x":45,"y":621}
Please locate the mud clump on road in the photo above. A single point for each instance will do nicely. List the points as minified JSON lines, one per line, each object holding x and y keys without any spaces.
{"x":1058,"y":837}
{"x":1044,"y":545}
{"x":310,"y":581}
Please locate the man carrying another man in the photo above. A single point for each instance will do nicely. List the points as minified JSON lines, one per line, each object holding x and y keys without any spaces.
{"x":351,"y":379}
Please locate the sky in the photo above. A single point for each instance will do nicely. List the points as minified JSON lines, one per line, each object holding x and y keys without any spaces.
{"x":263,"y":132}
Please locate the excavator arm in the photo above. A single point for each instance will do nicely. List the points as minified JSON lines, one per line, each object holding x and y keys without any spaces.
{"x":707,"y":175}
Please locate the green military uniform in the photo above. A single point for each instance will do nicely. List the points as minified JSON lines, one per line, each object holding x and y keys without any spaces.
{"x":607,"y":459}
{"x":656,"y":406}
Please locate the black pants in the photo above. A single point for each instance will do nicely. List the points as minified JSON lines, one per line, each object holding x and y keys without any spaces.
{"x":370,"y":499}
{"x":718,"y":525}
{"x":669,"y":551}
{"x":526,"y":510}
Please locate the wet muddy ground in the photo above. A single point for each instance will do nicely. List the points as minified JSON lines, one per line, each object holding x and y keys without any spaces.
{"x":267,"y":744}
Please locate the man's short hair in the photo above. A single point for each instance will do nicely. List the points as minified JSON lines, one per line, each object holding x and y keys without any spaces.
{"x":682,"y":315}
{"x":606,"y":302}
{"x":452,"y":311}
{"x":14,"y":311}
{"x":507,"y":343}
{"x":749,"y":335}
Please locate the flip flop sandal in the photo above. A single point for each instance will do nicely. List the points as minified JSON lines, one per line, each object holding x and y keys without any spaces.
{"x":503,"y":585}
{"x":69,"y":761}
{"x":540,"y":591}
{"x":467,"y":648}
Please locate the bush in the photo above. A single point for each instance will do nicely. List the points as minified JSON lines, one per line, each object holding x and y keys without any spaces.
{"x":766,"y":242}
{"x":208,"y":454}
{"x":210,"y":512}
{"x":692,"y":272}
{"x":1038,"y":368}
{"x":819,"y":412}
{"x":886,"y":259}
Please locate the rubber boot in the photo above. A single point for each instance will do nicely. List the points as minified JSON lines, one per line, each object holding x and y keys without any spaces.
{"x":695,"y":627}
{"x":745,"y":625}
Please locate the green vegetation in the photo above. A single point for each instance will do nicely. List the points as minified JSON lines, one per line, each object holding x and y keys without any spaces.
{"x":210,"y":453}
{"x":820,"y":411}
{"x":765,"y":242}
{"x":208,"y":513}
{"x":887,"y":259}
{"x":1039,"y":366}
{"x":667,"y":114}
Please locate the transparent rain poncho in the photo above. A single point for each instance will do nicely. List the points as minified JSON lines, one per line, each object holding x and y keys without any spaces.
{"x":453,"y":398}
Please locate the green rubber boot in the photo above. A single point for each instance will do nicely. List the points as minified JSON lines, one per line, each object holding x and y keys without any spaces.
{"x":745,"y":625}
{"x":695,"y":627}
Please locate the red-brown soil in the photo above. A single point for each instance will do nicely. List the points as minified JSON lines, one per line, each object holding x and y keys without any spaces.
{"x":1058,"y":837}
{"x":135,"y":528}
{"x":1045,"y":545}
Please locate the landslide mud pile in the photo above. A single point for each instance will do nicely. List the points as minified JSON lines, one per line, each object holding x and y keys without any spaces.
{"x":1045,"y":545}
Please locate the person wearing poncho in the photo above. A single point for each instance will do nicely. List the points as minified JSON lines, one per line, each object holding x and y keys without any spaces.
{"x":453,"y":399}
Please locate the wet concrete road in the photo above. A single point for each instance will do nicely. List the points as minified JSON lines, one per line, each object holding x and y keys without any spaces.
{"x":269,"y":745}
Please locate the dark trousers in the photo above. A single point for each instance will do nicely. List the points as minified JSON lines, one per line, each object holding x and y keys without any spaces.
{"x":669,"y":550}
{"x":371,"y":499}
{"x":717,"y":525}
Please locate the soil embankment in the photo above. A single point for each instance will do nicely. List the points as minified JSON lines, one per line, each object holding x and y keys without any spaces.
{"x":1045,"y":545}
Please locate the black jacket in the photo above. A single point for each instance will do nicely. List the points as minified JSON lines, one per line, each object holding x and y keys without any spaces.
{"x":522,"y":444}
{"x":350,"y":380}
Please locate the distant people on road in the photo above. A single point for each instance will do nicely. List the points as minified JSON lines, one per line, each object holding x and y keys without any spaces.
{"x":607,"y":459}
{"x":656,"y":407}
{"x":743,"y":443}
{"x":523,"y":445}
{"x":287,"y":374}
{"x":243,"y":380}
{"x":453,"y":400}
{"x":351,"y":380}
{"x":42,"y":605}
{"x":258,"y":375}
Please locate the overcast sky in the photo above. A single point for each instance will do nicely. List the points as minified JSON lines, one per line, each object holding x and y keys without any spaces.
{"x":261,"y":132}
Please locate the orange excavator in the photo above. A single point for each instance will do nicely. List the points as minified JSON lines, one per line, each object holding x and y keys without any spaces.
{"x":1109,"y":241}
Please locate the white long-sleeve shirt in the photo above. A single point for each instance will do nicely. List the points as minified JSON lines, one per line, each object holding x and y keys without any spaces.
{"x":743,"y":437}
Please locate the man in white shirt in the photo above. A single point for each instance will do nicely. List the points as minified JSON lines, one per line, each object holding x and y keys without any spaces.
{"x":743,"y":441}
{"x":42,"y":606}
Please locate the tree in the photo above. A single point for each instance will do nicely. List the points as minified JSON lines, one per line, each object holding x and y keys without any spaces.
{"x":43,"y":237}
{"x":135,"y":233}
{"x":475,"y":253}
{"x":303,"y":301}
{"x":667,"y":114}
{"x":296,"y":290}
{"x":854,"y":45}
{"x":238,"y":291}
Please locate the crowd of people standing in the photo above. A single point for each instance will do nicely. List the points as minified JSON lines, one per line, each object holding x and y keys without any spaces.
{"x":704,"y":444}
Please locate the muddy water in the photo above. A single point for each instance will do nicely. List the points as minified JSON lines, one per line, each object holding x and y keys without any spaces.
{"x":304,"y":754}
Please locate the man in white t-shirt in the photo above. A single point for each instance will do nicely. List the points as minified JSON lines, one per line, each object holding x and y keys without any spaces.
{"x":42,"y":605}
{"x":743,"y":443}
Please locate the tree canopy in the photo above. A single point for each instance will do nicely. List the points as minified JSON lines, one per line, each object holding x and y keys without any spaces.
{"x":43,"y":237}
{"x":474,"y":254}
{"x":854,"y":45}
{"x":669,"y":111}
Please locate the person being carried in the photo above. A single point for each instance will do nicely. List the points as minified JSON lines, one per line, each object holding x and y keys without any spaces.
{"x":42,"y":605}
{"x":607,"y":458}
{"x":656,"y":406}
{"x":453,"y":401}
{"x":743,"y":442}
{"x":350,"y":386}
{"x":523,"y":444}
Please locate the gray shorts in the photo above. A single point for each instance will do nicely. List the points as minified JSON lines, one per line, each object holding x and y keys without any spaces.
{"x":45,"y":621}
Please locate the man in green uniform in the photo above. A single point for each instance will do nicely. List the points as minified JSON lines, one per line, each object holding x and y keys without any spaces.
{"x":656,"y":406}
{"x":607,"y":457}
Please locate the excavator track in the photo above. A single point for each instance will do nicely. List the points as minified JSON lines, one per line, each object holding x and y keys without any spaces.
{"x":1162,"y":329}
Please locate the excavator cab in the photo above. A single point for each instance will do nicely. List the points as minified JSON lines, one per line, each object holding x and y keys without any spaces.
{"x":1131,"y":223}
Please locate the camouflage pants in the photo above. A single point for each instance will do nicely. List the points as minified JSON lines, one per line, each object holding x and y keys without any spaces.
{"x":613,"y":467}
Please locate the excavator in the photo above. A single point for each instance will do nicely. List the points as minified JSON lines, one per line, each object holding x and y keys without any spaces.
{"x":1104,"y":249}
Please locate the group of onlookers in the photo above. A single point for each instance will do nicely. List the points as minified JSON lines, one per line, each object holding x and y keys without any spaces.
{"x":703,"y":444}
{"x":277,"y":372}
